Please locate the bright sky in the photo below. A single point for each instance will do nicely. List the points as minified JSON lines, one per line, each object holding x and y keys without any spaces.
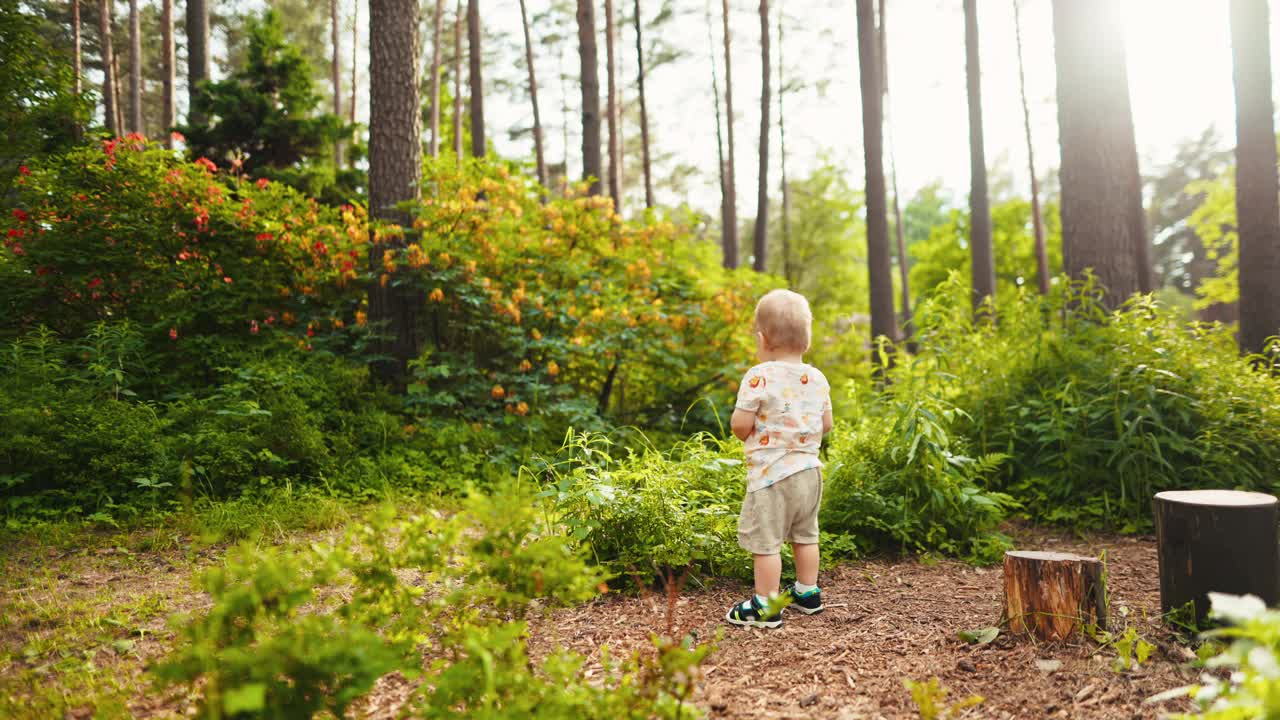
{"x":1179,"y":77}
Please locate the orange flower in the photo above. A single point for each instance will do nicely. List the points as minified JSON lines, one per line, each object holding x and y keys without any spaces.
{"x":497,"y":392}
{"x":536,"y":334}
{"x":362,"y":318}
{"x":384,"y":279}
{"x":553,"y":369}
{"x":436,"y":295}
{"x":525,"y":366}
{"x":522,"y":408}
{"x":410,"y":430}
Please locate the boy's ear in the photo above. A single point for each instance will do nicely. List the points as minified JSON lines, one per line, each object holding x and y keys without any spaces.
{"x":764,"y":341}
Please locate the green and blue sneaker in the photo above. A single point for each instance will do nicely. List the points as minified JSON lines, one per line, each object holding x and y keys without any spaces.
{"x":808,"y":603}
{"x":750,"y":613}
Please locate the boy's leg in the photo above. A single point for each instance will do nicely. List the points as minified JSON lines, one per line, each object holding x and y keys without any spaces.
{"x":806,"y":564}
{"x":768,"y":572}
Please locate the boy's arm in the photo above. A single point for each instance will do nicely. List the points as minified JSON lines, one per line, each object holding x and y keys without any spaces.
{"x":743,"y":423}
{"x":827,"y":421}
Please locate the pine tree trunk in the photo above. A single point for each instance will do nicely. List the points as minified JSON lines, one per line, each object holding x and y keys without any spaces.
{"x":879,"y":268}
{"x":197,"y":56}
{"x":782,"y":154}
{"x":76,"y":68}
{"x":730,"y":251}
{"x":135,"y":68}
{"x":644,"y":111}
{"x":591,"y":161}
{"x":904,"y":274}
{"x":395,"y":170}
{"x":457,"y":82}
{"x":533,"y":98}
{"x":1042,"y":253}
{"x":118,"y":77}
{"x":336,"y":74}
{"x":355,"y":52}
{"x":1102,"y":219}
{"x":436,"y":30}
{"x":760,"y":238}
{"x":109,"y":112}
{"x":1257,"y":186}
{"x":168,"y":65}
{"x":982,"y":252}
{"x":612,"y":106}
{"x":477,"y":79}
{"x":730,"y":170}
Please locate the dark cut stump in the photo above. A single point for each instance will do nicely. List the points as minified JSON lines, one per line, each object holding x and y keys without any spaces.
{"x":1215,"y":541}
{"x":1052,"y":595}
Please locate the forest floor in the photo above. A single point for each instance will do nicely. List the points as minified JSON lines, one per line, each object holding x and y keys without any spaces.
{"x":79,"y":624}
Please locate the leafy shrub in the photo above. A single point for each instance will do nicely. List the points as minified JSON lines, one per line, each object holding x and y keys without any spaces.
{"x":1098,"y":411}
{"x":293,"y":634}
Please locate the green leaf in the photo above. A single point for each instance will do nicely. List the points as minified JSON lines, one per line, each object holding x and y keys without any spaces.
{"x":246,"y":698}
{"x":981,"y":636}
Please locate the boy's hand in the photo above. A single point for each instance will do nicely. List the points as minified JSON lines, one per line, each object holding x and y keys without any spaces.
{"x":743,"y":423}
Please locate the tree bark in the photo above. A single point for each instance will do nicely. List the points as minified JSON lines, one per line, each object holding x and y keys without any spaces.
{"x":1103,"y":227}
{"x":336,"y":73}
{"x":437,"y":28}
{"x":116,"y":75}
{"x":980,"y":244}
{"x":1042,"y":253}
{"x":782,"y":153}
{"x":395,"y":170}
{"x":644,"y":111}
{"x":477,"y":79}
{"x":591,"y":162}
{"x":355,"y":52}
{"x":135,"y":68}
{"x":1051,"y":595}
{"x":613,"y":106}
{"x":533,"y":97}
{"x":197,"y":56}
{"x":1257,"y":187}
{"x":904,"y":274}
{"x":760,"y":238}
{"x":1215,"y":541}
{"x":729,"y":250}
{"x":109,"y":112}
{"x":168,"y":111}
{"x":730,"y":171}
{"x":457,"y":82}
{"x":76,"y":69}
{"x":879,"y":269}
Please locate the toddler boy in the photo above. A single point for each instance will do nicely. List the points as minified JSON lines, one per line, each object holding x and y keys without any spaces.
{"x":782,"y":412}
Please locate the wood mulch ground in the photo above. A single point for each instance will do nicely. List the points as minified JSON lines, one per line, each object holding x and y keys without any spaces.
{"x":891,"y":620}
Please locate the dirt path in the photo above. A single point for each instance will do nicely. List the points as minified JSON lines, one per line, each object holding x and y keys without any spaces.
{"x":890,"y":621}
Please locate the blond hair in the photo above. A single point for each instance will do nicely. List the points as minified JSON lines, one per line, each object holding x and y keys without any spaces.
{"x":784,"y":318}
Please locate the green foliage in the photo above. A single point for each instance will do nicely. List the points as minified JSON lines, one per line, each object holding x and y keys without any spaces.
{"x":292,"y":634}
{"x":1247,"y":684}
{"x":1214,"y":222}
{"x":263,"y":119}
{"x":39,"y":110}
{"x":930,"y":698}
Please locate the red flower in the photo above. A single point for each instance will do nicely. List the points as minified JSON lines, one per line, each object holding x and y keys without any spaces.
{"x":263,"y":237}
{"x":226,"y":279}
{"x":310,"y":332}
{"x":14,"y":232}
{"x":94,"y":283}
{"x":22,"y":169}
{"x":253,"y":327}
{"x":207,"y":164}
{"x":19,"y":215}
{"x":263,"y":183}
{"x":17,"y":249}
{"x":173,"y":333}
{"x":177,"y":137}
{"x":320,"y":247}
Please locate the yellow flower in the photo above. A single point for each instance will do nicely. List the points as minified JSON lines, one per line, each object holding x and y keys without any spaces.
{"x":553,"y":369}
{"x":497,"y":392}
{"x":362,"y":317}
{"x":525,"y":365}
{"x":597,"y":314}
{"x":522,"y":408}
{"x":536,"y":334}
{"x":436,"y":295}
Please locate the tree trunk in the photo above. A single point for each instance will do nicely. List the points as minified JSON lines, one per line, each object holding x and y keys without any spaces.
{"x":760,"y":238}
{"x":1042,"y":253}
{"x":336,"y":73}
{"x":395,"y":170}
{"x":533,"y":97}
{"x":1051,"y":595}
{"x":109,"y":113}
{"x":613,"y":106}
{"x":168,"y":111}
{"x":1257,"y":187}
{"x":980,"y":244}
{"x":879,"y":269}
{"x":591,"y":162}
{"x":644,"y":112}
{"x":76,"y":70}
{"x":457,"y":82}
{"x":135,"y":68}
{"x":730,"y":250}
{"x":477,"y":79}
{"x":1103,"y":227}
{"x":730,"y":171}
{"x":355,"y":52}
{"x":904,"y":275}
{"x":197,"y":56}
{"x":437,"y":28}
{"x":119,"y":88}
{"x":782,"y":154}
{"x":1215,"y":541}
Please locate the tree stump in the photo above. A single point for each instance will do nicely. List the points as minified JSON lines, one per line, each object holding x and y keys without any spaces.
{"x":1053,"y":595}
{"x":1215,"y":541}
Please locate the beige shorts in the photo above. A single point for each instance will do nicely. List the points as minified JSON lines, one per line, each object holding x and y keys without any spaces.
{"x":786,"y":511}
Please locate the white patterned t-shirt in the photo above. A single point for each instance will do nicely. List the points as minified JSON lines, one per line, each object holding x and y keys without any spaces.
{"x":789,"y":400}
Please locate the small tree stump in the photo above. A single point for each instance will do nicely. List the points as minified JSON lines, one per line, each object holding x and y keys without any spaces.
{"x":1215,"y":541}
{"x":1053,"y":595}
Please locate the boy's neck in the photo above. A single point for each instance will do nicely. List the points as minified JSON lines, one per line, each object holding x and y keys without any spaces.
{"x":781,"y":356}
